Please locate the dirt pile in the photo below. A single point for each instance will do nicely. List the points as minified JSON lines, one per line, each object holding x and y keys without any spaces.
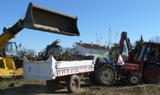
{"x":70,"y":57}
{"x":65,"y":57}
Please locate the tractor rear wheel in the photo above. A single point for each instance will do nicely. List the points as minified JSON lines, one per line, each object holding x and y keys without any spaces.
{"x":105,"y":75}
{"x":152,"y":74}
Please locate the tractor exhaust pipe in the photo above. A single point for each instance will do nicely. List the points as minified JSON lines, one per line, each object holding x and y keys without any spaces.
{"x":43,"y":19}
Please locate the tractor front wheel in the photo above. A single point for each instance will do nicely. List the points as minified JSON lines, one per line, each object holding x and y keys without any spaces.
{"x":134,"y":79}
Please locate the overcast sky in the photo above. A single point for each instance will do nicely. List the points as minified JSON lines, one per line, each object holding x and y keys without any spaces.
{"x":97,"y":19}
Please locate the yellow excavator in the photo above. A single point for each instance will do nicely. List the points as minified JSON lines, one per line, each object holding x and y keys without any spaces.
{"x":37,"y":18}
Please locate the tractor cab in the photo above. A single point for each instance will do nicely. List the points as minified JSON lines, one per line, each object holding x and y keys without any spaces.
{"x":150,"y":52}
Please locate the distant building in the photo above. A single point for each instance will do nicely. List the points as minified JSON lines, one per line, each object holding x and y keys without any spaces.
{"x":89,"y":49}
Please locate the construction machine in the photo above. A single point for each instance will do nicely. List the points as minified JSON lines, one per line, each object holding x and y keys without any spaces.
{"x":146,"y":68}
{"x":37,"y":18}
{"x":52,"y":49}
{"x":59,"y":53}
{"x":130,"y":71}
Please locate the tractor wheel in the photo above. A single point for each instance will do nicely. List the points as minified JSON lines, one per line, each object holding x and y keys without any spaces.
{"x":134,"y":79}
{"x":105,"y":75}
{"x":52,"y":85}
{"x":152,"y":74}
{"x":73,"y":83}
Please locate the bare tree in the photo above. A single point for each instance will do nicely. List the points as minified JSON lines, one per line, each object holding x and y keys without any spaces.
{"x":30,"y":52}
{"x":99,"y":41}
{"x":155,"y":39}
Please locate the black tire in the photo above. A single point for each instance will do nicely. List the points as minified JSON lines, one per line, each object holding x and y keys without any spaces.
{"x":105,"y":75}
{"x":73,"y":83}
{"x":152,"y":74}
{"x":134,"y":79}
{"x":52,"y":85}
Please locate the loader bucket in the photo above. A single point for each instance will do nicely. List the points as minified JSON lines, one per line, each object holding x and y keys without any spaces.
{"x":43,"y":19}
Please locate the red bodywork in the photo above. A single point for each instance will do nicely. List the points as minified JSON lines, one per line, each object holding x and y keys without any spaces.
{"x":130,"y":64}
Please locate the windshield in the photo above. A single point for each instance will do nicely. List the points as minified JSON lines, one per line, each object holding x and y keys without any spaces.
{"x":150,"y":53}
{"x":55,"y":50}
{"x":145,"y":52}
{"x":10,"y":49}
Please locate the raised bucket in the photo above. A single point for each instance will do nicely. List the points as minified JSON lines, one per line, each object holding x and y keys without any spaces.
{"x":47,"y":20}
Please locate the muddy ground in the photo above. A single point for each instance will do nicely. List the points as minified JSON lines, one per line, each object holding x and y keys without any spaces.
{"x":36,"y":87}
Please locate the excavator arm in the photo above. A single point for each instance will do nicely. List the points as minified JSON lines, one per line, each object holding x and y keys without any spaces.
{"x":43,"y":19}
{"x":9,"y":33}
{"x":124,"y":40}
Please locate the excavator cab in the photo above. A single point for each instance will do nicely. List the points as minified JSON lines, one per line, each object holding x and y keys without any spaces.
{"x":9,"y":66}
{"x":52,"y":49}
{"x":10,"y":49}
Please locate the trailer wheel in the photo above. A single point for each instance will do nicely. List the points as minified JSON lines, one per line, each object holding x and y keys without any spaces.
{"x":134,"y":79}
{"x":73,"y":83}
{"x":152,"y":74}
{"x":105,"y":75}
{"x":52,"y":85}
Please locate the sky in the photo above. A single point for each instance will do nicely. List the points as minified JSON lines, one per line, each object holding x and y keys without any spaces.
{"x":97,"y":19}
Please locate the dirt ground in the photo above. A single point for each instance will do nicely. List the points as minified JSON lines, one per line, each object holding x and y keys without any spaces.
{"x":37,"y":87}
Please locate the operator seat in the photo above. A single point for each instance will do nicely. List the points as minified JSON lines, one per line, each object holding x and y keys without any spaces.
{"x":152,"y":55}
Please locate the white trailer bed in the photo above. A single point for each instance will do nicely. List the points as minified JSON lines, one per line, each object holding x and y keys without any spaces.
{"x":50,"y":69}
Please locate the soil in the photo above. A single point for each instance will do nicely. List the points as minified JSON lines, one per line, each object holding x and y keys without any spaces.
{"x":38,"y":87}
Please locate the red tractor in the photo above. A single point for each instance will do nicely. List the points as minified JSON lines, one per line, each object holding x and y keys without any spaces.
{"x":148,"y":64}
{"x":145,"y":69}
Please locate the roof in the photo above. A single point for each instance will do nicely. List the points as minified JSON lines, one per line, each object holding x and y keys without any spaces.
{"x":152,"y":43}
{"x":92,"y":46}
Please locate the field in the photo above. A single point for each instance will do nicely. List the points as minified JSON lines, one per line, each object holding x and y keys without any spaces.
{"x":37,"y":87}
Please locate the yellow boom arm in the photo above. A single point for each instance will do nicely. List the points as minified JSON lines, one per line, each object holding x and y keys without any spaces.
{"x":9,"y":33}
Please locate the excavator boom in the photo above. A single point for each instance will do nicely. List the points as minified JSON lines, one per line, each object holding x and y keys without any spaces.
{"x":124,"y":39}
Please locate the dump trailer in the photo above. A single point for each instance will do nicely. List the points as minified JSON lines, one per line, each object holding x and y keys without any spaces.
{"x":53,"y":72}
{"x":37,"y":18}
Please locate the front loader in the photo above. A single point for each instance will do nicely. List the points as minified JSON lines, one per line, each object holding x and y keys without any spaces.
{"x":37,"y":18}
